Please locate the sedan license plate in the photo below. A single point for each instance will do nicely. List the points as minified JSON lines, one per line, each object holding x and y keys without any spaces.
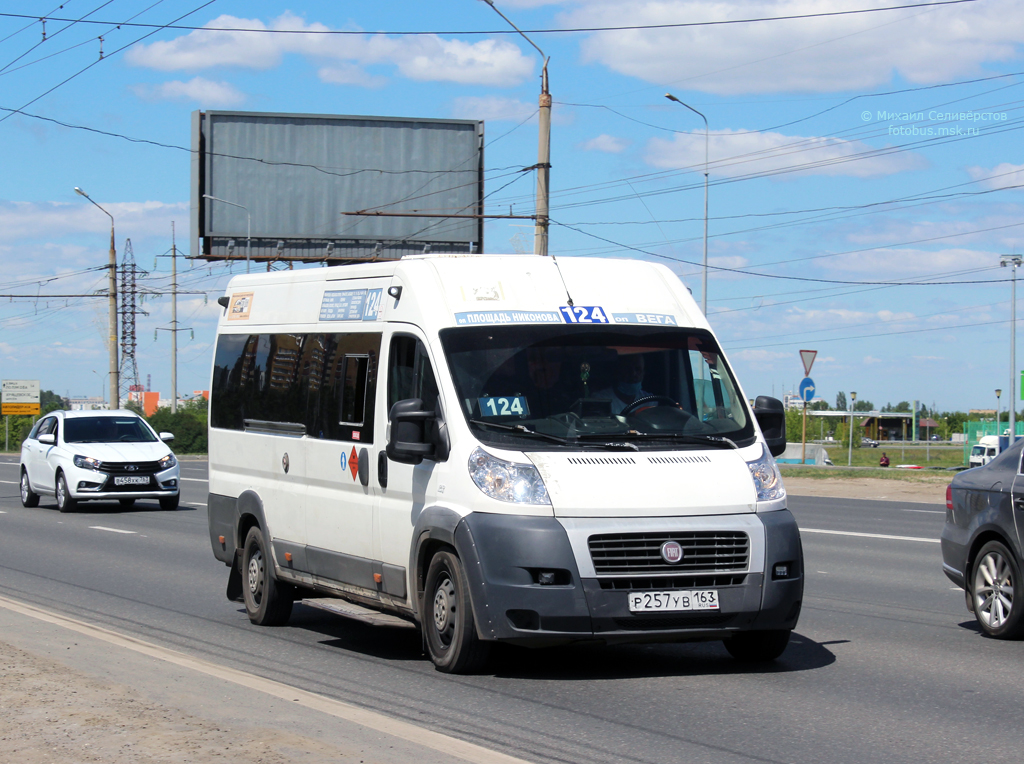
{"x":673,"y":601}
{"x":131,"y":480}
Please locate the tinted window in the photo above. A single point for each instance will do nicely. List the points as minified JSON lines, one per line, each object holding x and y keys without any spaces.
{"x":296,"y":379}
{"x":410,"y":374}
{"x":107,"y":429}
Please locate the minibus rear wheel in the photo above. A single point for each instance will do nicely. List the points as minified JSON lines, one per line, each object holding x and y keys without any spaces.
{"x":757,"y":646}
{"x":267,"y":603}
{"x":448,"y":618}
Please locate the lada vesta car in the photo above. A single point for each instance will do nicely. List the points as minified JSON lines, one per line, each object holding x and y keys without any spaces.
{"x":97,"y":455}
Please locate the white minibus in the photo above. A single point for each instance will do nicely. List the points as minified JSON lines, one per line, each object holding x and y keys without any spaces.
{"x":497,"y":448}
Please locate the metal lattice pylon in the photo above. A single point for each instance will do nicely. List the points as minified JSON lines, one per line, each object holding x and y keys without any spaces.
{"x":129,"y":371}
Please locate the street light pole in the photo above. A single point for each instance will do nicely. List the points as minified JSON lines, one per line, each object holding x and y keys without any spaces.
{"x":1014,"y":262}
{"x":704,"y":278}
{"x":115,"y":399}
{"x":998,"y":393}
{"x":248,"y":225}
{"x":853,"y":399}
{"x":540,"y":231}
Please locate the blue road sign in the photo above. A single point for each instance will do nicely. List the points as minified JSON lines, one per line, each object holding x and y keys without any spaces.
{"x":807,"y":390}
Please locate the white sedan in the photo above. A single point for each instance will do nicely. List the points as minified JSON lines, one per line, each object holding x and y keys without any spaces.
{"x":111,"y":455}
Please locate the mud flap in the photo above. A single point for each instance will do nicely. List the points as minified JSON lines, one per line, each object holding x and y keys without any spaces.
{"x":234,"y":592}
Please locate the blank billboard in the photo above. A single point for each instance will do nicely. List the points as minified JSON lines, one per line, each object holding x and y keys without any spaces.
{"x":285,"y":181}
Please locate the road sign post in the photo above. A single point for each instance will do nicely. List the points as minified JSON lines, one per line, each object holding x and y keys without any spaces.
{"x":19,"y":397}
{"x":806,"y":395}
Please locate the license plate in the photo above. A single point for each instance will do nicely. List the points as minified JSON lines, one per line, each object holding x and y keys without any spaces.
{"x":131,"y":480}
{"x":673,"y":601}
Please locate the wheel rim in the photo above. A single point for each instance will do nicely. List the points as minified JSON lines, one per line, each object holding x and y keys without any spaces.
{"x":24,"y":487}
{"x":444,"y":610}
{"x":993,"y":590}
{"x":62,"y":492}
{"x":256,"y":576}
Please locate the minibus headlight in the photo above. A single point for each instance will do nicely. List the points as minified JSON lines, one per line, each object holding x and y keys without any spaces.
{"x":505,"y":481}
{"x":767,"y":479}
{"x":87,"y":462}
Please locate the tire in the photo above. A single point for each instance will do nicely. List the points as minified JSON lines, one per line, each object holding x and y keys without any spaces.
{"x":996,"y":592}
{"x":126,"y":503}
{"x":757,"y":646}
{"x":267,"y":603}
{"x":29,"y":498}
{"x":170,"y":503}
{"x":451,"y":636}
{"x":65,"y":502}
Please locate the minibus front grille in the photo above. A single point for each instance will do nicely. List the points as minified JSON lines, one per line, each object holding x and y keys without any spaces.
{"x":659,"y":583}
{"x":640,"y":553}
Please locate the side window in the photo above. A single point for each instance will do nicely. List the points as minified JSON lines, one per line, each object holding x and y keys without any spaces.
{"x":34,"y":432}
{"x":410,"y":374}
{"x":48,"y":426}
{"x":353,"y":390}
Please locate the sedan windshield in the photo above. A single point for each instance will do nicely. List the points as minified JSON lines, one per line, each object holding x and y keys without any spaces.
{"x":107,"y":429}
{"x":602,"y":386}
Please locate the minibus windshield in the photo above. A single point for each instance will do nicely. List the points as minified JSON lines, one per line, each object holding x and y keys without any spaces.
{"x":579,"y":386}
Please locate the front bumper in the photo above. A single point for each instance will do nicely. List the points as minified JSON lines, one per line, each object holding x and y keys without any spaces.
{"x":506,"y":555}
{"x":85,"y":484}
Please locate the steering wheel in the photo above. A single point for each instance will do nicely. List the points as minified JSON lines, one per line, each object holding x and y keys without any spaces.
{"x":649,"y":402}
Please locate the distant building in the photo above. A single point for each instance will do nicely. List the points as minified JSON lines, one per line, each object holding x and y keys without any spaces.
{"x":87,"y":404}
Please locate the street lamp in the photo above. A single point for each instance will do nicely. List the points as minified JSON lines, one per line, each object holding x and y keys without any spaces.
{"x":248,"y":225}
{"x":853,"y":399}
{"x":998,"y":393}
{"x":115,"y":399}
{"x":704,"y":278}
{"x":1014,"y":262}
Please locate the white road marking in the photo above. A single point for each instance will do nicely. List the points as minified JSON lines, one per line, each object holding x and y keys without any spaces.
{"x":927,"y":511}
{"x":3,"y":511}
{"x":869,"y":535}
{"x":196,"y":480}
{"x":15,"y":482}
{"x":371,"y":719}
{"x":110,"y":530}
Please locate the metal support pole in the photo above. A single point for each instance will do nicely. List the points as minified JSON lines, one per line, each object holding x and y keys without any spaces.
{"x":115,"y":397}
{"x":853,"y":398}
{"x":803,"y":440}
{"x":540,"y":238}
{"x":1014,"y":262}
{"x":174,"y":322}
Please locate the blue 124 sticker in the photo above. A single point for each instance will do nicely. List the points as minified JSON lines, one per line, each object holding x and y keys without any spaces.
{"x":583,"y":314}
{"x":512,"y":405}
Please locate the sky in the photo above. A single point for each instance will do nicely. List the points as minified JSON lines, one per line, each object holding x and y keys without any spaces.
{"x":865,"y":168}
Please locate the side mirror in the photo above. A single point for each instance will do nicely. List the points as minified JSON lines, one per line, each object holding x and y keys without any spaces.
{"x":49,"y":439}
{"x":167,"y":437}
{"x":771,"y":416}
{"x":416,"y":433}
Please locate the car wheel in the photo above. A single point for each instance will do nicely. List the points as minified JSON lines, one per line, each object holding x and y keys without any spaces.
{"x":267,"y":603}
{"x":757,"y":646}
{"x":29,"y":498}
{"x":126,"y":503}
{"x":996,"y":591}
{"x":169,"y":503}
{"x":65,"y":502}
{"x":448,"y":618}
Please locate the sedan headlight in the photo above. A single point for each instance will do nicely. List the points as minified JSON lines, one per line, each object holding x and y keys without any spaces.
{"x":87,"y":462}
{"x":506,"y":481}
{"x":167,"y":462}
{"x":767,"y":478}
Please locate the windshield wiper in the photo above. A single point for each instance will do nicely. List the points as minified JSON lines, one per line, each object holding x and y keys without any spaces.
{"x":524,"y":430}
{"x":673,"y":437}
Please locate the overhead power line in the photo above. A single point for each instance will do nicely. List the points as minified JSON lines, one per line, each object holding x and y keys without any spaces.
{"x":467,"y":32}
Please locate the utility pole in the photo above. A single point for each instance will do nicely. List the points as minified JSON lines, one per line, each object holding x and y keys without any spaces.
{"x":174,"y":321}
{"x":540,"y":231}
{"x":1014,"y":262}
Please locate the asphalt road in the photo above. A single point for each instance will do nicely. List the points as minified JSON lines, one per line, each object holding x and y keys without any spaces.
{"x":886,"y":665}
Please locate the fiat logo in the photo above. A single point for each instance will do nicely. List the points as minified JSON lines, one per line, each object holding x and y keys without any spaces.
{"x":671,"y":552}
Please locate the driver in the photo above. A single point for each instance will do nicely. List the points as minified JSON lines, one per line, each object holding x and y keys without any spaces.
{"x":629,"y":377}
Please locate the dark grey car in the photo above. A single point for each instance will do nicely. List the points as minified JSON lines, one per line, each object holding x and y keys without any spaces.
{"x":981,"y":545}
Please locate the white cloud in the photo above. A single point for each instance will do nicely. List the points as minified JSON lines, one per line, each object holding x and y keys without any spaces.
{"x":850,"y":52}
{"x":735,"y":152}
{"x":606,"y":143}
{"x":871,"y":360}
{"x":493,"y":62}
{"x":21,"y":221}
{"x":203,"y":91}
{"x":492,"y":108}
{"x":927,"y":358}
{"x":886,"y":264}
{"x":349,"y":74}
{"x":1003,"y":175}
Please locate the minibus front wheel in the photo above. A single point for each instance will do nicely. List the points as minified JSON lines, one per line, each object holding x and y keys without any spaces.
{"x":451,"y":634}
{"x":265,"y":602}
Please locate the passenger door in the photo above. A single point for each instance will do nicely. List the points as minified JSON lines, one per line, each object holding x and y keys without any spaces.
{"x":409,"y":488}
{"x":341,"y":456}
{"x":35,"y":456}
